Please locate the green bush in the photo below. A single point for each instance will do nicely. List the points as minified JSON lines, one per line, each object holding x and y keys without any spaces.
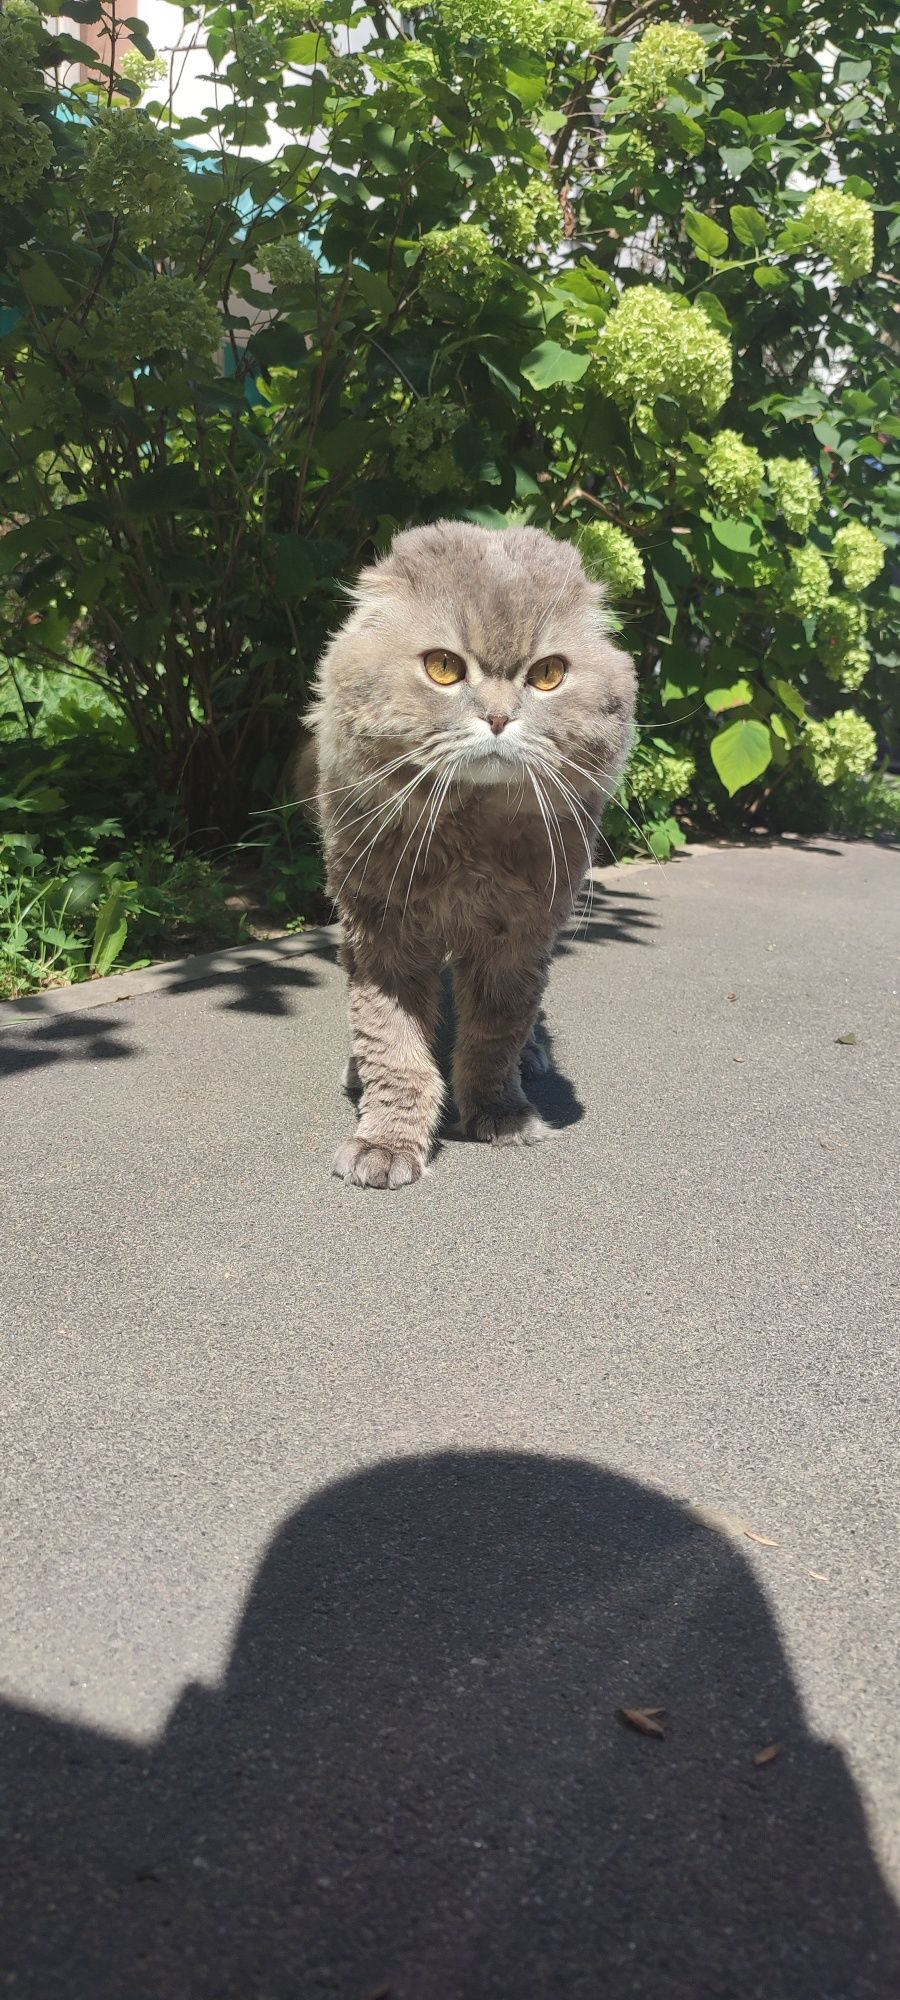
{"x":523,"y":265}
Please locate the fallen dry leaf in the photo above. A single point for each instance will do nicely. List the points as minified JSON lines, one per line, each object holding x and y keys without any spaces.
{"x":765,"y":1541}
{"x":768,"y":1755}
{"x":819,"y":1575}
{"x":647,"y":1721}
{"x":846,"y":1041}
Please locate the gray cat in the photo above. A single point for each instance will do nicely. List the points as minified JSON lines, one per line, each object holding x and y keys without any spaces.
{"x":471,"y":718}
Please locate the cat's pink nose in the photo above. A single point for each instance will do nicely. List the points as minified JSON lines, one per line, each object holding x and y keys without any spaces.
{"x":497,"y":722}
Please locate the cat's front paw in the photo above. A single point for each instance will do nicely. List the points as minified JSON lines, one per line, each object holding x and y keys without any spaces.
{"x":508,"y":1125}
{"x":363,"y":1163}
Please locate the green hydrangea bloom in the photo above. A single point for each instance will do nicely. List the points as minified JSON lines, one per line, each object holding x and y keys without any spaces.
{"x":143,"y":70}
{"x":796,"y":489}
{"x":255,"y":49}
{"x":349,"y":75}
{"x":655,"y":345}
{"x":808,"y":582}
{"x":20,"y":33}
{"x":843,"y":746}
{"x":420,"y":443}
{"x":540,"y":25}
{"x":767,"y":571}
{"x":858,"y":554}
{"x":854,"y":668}
{"x":733,"y":472}
{"x":164,"y":316}
{"x":288,"y":263}
{"x":840,"y":635}
{"x":136,"y":171}
{"x":292,"y":18}
{"x":26,"y":151}
{"x":610,"y":555}
{"x":523,"y":215}
{"x":665,"y":57}
{"x":458,"y":268}
{"x":842,"y":228}
{"x":655,"y":777}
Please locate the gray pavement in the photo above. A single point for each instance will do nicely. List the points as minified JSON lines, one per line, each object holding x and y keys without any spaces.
{"x":342,"y":1524}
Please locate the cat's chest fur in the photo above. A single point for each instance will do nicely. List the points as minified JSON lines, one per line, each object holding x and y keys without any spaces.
{"x":484,"y":863}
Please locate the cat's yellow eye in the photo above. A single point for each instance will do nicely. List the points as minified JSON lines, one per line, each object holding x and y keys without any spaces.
{"x":443,"y":667}
{"x":547,"y":674}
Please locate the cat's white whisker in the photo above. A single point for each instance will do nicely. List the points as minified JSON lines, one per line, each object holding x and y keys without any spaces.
{"x":377,"y":777}
{"x":536,"y":788}
{"x":439,"y":767}
{"x":612,"y":796}
{"x":436,"y":800}
{"x":396,"y":804}
{"x":562,"y":839}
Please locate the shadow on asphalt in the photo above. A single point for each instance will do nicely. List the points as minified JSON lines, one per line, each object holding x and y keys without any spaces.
{"x":250,"y":985}
{"x":413,"y":1781}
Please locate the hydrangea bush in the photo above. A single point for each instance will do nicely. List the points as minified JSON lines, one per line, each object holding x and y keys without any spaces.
{"x":624,"y":277}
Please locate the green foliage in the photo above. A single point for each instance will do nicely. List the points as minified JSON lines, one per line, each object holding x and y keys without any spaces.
{"x":523,"y":263}
{"x":89,"y":879}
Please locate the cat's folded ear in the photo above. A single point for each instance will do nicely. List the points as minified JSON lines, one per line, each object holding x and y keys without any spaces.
{"x":378,"y":580}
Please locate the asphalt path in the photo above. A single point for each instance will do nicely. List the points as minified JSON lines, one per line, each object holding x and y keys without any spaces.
{"x":342,"y":1526}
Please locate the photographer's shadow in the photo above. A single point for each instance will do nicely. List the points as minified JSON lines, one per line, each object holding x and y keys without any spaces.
{"x":414,"y":1780}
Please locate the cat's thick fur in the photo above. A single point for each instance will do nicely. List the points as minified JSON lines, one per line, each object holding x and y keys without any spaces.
{"x":451,"y":835}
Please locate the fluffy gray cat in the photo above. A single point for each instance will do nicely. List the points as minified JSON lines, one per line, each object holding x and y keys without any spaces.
{"x":471,"y":718}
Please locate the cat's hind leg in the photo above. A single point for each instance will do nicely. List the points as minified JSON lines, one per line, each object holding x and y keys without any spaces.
{"x":497,"y":998}
{"x":534,"y":1060}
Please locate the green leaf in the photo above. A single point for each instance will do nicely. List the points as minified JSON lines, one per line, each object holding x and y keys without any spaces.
{"x":41,"y":284}
{"x":769,"y":278}
{"x":110,"y":932}
{"x":549,"y":364}
{"x":527,"y":80}
{"x":715,"y":312}
{"x":502,"y":380}
{"x":749,"y":226}
{"x":372,"y":287}
{"x":741,"y":753}
{"x":293,"y":568}
{"x":736,"y":159}
{"x":790,"y":698}
{"x":735,"y":535}
{"x":737,"y":696}
{"x":173,"y":486}
{"x":706,"y":233}
{"x":305,"y":49}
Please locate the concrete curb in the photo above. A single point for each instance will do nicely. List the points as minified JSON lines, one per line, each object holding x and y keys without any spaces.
{"x":172,"y":975}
